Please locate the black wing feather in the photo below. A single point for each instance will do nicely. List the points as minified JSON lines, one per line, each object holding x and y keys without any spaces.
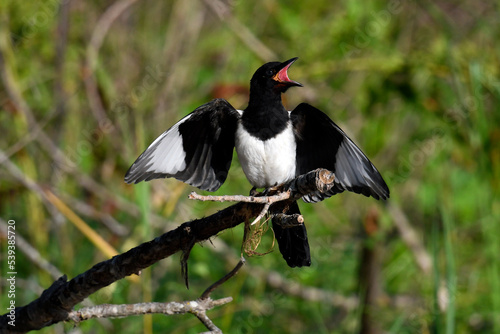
{"x":196,"y":150}
{"x":292,"y":241}
{"x":322,"y":144}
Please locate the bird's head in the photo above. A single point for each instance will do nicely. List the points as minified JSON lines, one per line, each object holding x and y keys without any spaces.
{"x":273,"y":77}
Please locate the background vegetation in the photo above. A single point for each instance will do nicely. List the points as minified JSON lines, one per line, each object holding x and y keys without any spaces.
{"x":86,"y":86}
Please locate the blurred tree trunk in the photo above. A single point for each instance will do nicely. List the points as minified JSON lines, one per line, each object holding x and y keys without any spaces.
{"x":369,"y":275}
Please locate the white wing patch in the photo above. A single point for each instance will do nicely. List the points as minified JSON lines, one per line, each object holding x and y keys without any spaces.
{"x":167,"y":155}
{"x":197,"y":150}
{"x":164,"y":156}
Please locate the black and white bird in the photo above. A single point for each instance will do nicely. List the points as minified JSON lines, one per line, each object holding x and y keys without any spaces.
{"x":273,"y":145}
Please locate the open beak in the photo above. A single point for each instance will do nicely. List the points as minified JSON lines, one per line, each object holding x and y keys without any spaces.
{"x":282,"y":75}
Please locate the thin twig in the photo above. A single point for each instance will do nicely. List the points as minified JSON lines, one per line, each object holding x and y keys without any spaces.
{"x":410,"y":236}
{"x":125,"y":310}
{"x":29,"y":183}
{"x":16,"y":97}
{"x":201,"y":314}
{"x":81,"y":225}
{"x":88,"y":210}
{"x":241,"y":198}
{"x":243,"y":32}
{"x":185,"y":23}
{"x":186,"y":250}
{"x":101,"y":29}
{"x":211,"y":288}
{"x":60,"y":59}
{"x":262,"y":213}
{"x":267,"y":200}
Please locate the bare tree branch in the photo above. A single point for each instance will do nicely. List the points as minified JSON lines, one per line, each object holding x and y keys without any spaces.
{"x":56,"y":303}
{"x":243,"y":32}
{"x":101,"y":29}
{"x":126,"y":310}
{"x":241,"y":198}
{"x":287,"y":221}
{"x":411,"y":238}
{"x":211,"y":288}
{"x":197,"y":307}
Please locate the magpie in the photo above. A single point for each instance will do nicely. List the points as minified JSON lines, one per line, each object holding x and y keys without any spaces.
{"x":273,"y":145}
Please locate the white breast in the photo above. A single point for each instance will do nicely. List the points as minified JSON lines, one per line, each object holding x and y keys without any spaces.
{"x":266,"y":163}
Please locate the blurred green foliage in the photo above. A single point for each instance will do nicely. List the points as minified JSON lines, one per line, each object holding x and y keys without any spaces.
{"x":416,"y":84}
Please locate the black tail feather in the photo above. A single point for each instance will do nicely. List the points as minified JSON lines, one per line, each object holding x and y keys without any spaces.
{"x":292,"y":241}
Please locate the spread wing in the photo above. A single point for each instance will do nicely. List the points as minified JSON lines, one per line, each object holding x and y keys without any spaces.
{"x":196,"y":150}
{"x":322,"y":144}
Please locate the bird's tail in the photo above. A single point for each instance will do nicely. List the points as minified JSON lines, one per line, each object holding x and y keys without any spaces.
{"x":292,"y":241}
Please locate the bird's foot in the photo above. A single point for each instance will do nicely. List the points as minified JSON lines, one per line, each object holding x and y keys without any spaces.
{"x":266,"y":192}
{"x":254,"y":192}
{"x":271,"y":190}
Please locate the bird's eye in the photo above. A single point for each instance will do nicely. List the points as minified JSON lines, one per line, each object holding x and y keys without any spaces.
{"x":270,"y":72}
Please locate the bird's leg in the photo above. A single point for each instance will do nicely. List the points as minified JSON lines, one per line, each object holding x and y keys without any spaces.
{"x":267,"y":191}
{"x":254,"y":192}
{"x":272,"y":189}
